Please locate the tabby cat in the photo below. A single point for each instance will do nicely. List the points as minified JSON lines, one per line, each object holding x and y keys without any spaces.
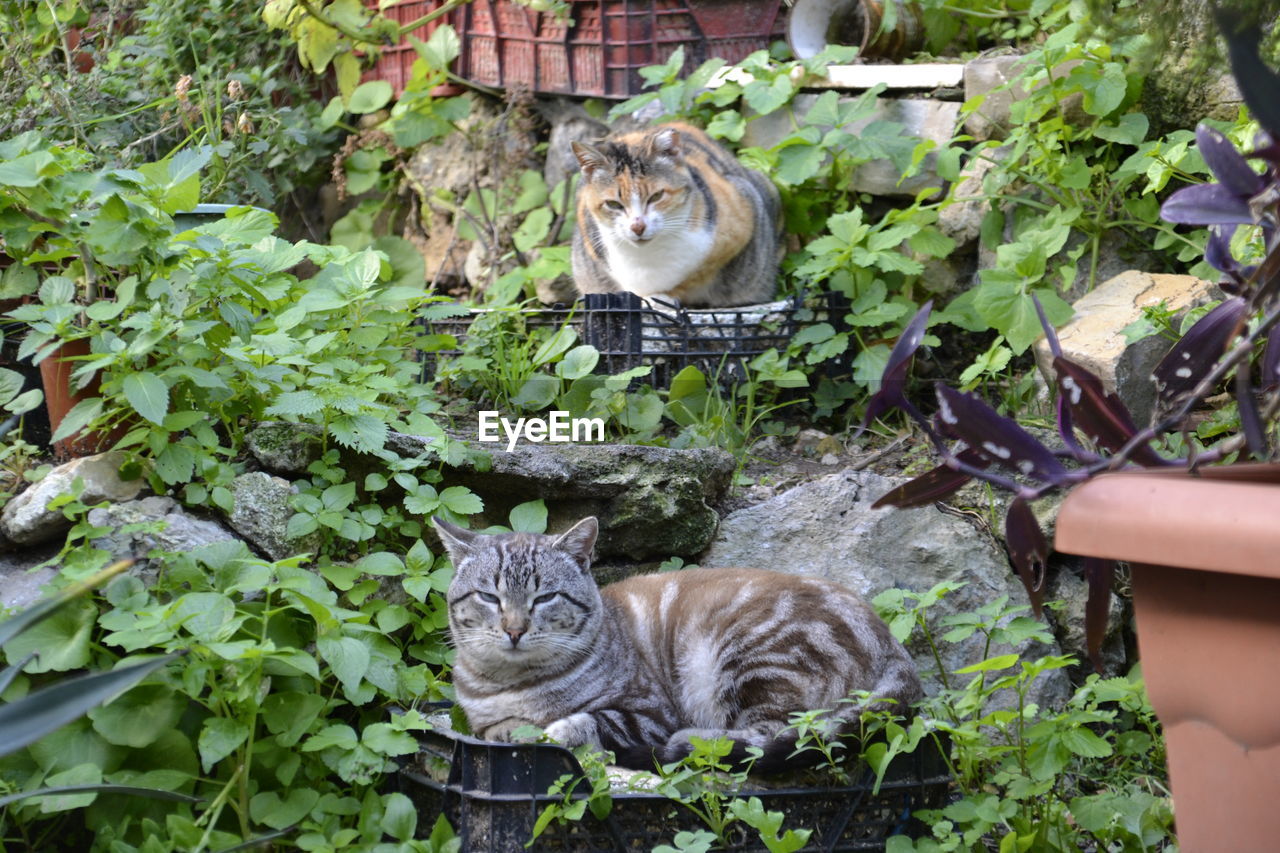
{"x":640,"y":666}
{"x":667,"y":211}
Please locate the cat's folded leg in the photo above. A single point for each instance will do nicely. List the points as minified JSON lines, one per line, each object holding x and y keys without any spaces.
{"x":575,"y":730}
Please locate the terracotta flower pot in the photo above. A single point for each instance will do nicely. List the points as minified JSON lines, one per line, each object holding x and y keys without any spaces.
{"x":1205,"y":553}
{"x":60,"y":398}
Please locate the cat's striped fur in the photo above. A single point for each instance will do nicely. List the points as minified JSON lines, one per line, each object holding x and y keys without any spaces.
{"x":640,"y":666}
{"x":668,"y":211}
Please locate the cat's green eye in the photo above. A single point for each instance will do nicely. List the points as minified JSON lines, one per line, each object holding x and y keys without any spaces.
{"x":545,"y":597}
{"x":657,"y":196}
{"x":613,"y":205}
{"x":488,"y":597}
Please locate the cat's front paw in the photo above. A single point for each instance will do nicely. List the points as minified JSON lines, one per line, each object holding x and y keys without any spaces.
{"x":574,"y":730}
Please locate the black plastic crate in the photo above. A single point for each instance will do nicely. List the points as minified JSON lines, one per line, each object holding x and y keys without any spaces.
{"x":492,"y":794}
{"x":630,"y":332}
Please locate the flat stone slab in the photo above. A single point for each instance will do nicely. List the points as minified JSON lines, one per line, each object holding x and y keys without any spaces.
{"x":1094,"y":338}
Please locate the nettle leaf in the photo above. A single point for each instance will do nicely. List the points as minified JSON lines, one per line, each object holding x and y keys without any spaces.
{"x":148,"y":395}
{"x":935,"y":485}
{"x":1028,"y":549}
{"x":1193,"y":357}
{"x":983,"y":428}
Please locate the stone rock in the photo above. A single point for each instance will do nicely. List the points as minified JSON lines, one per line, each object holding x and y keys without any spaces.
{"x":651,"y":501}
{"x":155,"y":523}
{"x":1093,"y":338}
{"x":921,"y":118}
{"x":567,"y":129}
{"x":20,"y":587}
{"x":1190,"y":79}
{"x":261,"y":515}
{"x":993,"y":77}
{"x":828,"y":528}
{"x":26,"y":520}
{"x":284,"y":448}
{"x":961,"y":216}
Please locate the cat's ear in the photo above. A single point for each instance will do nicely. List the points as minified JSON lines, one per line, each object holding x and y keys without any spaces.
{"x":666,"y":143}
{"x":458,"y":541}
{"x":579,"y":540}
{"x":589,"y":158}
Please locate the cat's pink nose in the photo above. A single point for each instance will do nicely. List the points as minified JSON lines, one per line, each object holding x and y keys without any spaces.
{"x":637,"y":227}
{"x":515,"y":637}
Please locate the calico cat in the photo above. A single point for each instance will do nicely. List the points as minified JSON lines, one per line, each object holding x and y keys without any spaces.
{"x":667,"y":211}
{"x":640,"y":666}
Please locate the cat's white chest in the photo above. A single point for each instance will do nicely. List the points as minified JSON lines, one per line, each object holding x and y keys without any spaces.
{"x":661,"y":264}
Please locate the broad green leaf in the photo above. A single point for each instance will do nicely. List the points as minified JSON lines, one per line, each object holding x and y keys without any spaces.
{"x":399,"y":816}
{"x":347,"y":657}
{"x":267,"y":807}
{"x":578,"y":362}
{"x":461,"y":500}
{"x":81,"y":415}
{"x":219,"y":737}
{"x":530,"y":517}
{"x":994,"y":663}
{"x":37,"y":714}
{"x":370,"y":97}
{"x":139,"y":716}
{"x":148,"y":395}
{"x":61,"y":639}
{"x":382,"y":738}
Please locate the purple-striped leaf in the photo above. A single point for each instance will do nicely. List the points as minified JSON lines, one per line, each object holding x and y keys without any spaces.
{"x":1258,"y":84}
{"x":893,"y":382}
{"x":1206,"y":204}
{"x":1193,"y":357}
{"x":934,"y":485}
{"x":1100,"y":415}
{"x":983,"y":428}
{"x":1227,"y":164}
{"x":1098,"y":574}
{"x":1255,"y":434}
{"x":1028,"y":549}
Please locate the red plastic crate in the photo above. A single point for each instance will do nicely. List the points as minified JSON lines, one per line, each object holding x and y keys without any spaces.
{"x":394,"y":64}
{"x":597,"y":54}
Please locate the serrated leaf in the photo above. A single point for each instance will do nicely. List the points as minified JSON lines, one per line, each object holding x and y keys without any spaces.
{"x":461,"y":500}
{"x":148,"y":395}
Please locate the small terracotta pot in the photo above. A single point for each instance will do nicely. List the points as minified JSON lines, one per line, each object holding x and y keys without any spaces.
{"x":1205,"y":554}
{"x":59,"y":399}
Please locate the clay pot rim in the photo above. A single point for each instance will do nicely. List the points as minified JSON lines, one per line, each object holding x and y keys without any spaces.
{"x":1222,"y":518}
